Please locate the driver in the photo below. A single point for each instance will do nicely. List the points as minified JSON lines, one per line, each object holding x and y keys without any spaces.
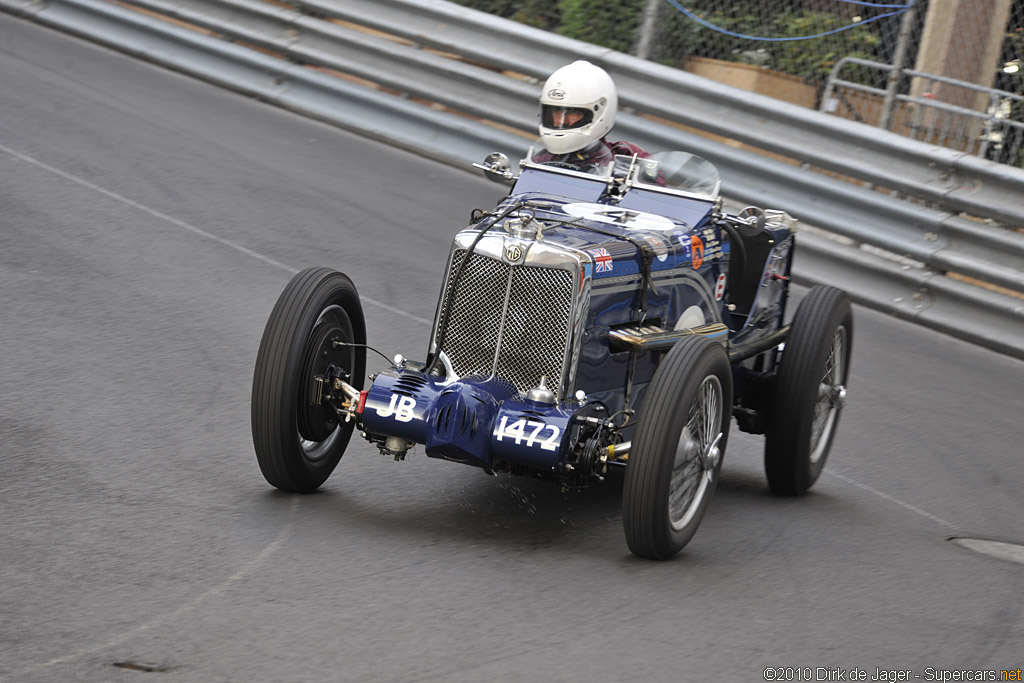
{"x":577,"y":110}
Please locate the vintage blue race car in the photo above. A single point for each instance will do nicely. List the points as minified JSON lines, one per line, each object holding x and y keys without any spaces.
{"x":598,"y":317}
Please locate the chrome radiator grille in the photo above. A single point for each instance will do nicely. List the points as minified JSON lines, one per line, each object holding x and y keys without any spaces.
{"x":474,"y":319}
{"x":533,"y":329}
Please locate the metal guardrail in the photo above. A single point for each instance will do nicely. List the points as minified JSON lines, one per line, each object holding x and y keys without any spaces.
{"x":319,"y":95}
{"x":951,"y":179}
{"x":302,"y":51}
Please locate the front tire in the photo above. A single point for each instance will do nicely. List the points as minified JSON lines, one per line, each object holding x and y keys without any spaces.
{"x":299,"y":442}
{"x":677,"y":454}
{"x":810,"y":391}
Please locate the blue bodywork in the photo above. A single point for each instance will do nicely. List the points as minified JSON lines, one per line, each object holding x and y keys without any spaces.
{"x":646,"y":256}
{"x":472,"y":420}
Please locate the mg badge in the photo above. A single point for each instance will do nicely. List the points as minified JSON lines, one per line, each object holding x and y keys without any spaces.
{"x":513,"y":252}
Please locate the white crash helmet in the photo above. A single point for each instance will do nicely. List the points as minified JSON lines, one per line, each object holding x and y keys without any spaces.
{"x":582,"y":88}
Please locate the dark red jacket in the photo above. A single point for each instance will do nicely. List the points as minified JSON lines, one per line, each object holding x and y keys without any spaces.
{"x":627,"y":148}
{"x":594,"y":158}
{"x":596,"y":155}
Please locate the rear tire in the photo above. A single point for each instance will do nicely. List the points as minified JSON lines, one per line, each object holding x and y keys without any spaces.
{"x":810,"y":391}
{"x":677,"y":454}
{"x":298,"y":443}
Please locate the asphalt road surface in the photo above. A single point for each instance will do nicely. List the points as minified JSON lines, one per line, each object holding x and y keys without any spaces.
{"x":148,"y":223}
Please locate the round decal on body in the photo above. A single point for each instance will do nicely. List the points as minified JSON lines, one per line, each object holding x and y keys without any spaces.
{"x":691,"y":317}
{"x":626,"y":218}
{"x":693,"y":250}
{"x":698,"y":251}
{"x":720,"y":287}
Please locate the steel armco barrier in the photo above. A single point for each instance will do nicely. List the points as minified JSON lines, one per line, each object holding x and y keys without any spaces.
{"x":891,"y":250}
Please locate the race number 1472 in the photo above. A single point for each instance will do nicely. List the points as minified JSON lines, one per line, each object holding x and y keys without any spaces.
{"x":533,"y":433}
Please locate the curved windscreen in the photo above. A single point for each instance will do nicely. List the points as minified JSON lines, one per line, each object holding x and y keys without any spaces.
{"x":682,"y":171}
{"x":665,"y":170}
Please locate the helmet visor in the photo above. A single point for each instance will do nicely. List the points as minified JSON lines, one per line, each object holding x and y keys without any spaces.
{"x":565,"y":118}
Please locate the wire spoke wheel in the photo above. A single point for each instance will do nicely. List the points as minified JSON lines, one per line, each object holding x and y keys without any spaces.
{"x":810,"y":391}
{"x":831,"y":396}
{"x":677,"y":453}
{"x":696,"y":454}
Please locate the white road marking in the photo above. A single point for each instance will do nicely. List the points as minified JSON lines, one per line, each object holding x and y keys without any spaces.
{"x":893,"y":499}
{"x":191,"y":228}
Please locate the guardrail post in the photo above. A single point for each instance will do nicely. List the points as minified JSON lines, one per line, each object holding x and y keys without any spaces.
{"x":648,"y":22}
{"x":898,"y":62}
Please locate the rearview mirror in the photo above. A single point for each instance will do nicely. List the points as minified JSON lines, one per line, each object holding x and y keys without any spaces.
{"x":497,"y":167}
{"x":754,"y":216}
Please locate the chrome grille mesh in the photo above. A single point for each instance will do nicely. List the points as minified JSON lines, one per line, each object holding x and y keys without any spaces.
{"x":536,"y":327}
{"x":474,"y":319}
{"x":534,"y":334}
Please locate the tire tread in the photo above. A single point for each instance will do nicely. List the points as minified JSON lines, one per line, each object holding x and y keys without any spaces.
{"x":787,"y":440}
{"x":290,"y":320}
{"x":648,"y":533}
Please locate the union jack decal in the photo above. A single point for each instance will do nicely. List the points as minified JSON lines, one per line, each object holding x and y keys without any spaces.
{"x":602,"y":260}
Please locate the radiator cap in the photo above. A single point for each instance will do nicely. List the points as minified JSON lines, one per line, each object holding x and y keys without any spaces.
{"x":541,"y":393}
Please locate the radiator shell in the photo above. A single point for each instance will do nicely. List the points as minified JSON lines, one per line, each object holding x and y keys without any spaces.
{"x":514,"y":318}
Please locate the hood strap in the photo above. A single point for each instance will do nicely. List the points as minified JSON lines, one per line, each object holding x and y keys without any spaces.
{"x":647,"y":256}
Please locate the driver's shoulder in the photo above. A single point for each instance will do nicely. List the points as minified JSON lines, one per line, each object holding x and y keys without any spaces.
{"x":628,"y":149}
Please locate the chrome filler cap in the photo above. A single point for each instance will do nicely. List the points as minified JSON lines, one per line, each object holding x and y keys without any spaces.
{"x":541,"y":393}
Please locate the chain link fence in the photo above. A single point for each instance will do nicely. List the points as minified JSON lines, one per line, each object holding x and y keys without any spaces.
{"x":950,"y":72}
